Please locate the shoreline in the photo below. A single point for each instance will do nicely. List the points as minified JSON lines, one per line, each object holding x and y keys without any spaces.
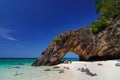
{"x":76,"y":70}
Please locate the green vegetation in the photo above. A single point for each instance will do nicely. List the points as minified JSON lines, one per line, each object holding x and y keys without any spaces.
{"x":80,"y":28}
{"x":108,"y":8}
{"x":99,"y":25}
{"x":56,"y":39}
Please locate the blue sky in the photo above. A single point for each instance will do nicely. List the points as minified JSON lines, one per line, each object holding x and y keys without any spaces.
{"x":28,"y":26}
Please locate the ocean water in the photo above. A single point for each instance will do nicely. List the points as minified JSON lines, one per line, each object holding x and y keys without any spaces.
{"x":21,"y":69}
{"x":5,"y":62}
{"x":70,"y":59}
{"x":13,"y":62}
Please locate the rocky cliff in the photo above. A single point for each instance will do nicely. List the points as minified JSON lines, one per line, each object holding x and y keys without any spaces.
{"x":102,"y":46}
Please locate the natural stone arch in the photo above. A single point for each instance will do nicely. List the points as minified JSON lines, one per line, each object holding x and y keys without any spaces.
{"x":82,"y":42}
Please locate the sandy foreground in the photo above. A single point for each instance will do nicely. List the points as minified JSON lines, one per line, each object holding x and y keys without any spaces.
{"x":99,"y":70}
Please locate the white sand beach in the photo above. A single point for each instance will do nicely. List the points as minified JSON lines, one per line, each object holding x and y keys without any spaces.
{"x":104,"y":70}
{"x":101,"y":70}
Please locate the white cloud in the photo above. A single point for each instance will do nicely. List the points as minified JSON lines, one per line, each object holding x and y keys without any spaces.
{"x":5,"y":33}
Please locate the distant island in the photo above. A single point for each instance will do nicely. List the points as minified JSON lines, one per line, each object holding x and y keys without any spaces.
{"x":99,"y":41}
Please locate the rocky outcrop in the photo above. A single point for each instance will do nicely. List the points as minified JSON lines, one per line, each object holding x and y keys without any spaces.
{"x":102,"y":46}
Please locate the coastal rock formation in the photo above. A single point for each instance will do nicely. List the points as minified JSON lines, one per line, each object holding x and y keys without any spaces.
{"x":89,"y":47}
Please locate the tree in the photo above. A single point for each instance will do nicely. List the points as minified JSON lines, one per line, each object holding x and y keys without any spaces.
{"x":99,"y":25}
{"x":108,"y":8}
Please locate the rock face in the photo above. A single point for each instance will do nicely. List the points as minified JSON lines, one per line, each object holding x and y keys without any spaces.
{"x":102,"y":46}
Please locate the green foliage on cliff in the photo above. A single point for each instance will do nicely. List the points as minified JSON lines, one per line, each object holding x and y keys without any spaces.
{"x":103,"y":6}
{"x":108,"y":8}
{"x":56,"y":39}
{"x":99,"y":25}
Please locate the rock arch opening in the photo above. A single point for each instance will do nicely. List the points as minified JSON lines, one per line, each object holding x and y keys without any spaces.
{"x":71,"y":56}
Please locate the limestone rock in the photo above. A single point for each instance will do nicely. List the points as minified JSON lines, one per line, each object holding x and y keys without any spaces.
{"x":117,"y":64}
{"x":102,"y":46}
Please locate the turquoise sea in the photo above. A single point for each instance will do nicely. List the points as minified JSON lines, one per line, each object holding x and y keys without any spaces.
{"x":21,"y":69}
{"x":16,"y":61}
{"x":24,"y":61}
